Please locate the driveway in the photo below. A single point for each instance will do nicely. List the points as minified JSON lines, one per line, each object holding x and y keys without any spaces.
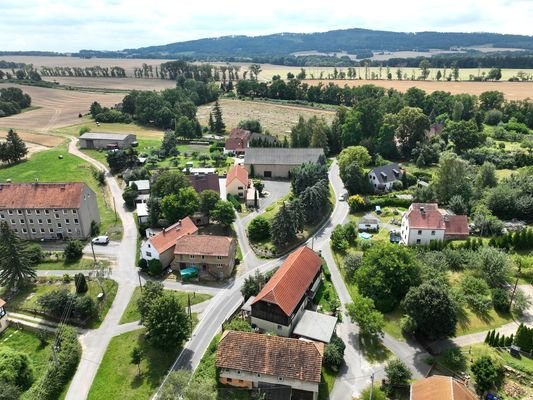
{"x":109,"y":250}
{"x":276,"y":190}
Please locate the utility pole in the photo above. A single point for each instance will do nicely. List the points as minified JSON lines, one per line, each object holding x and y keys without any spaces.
{"x":371,"y":386}
{"x":115,"y":208}
{"x":140,"y":283}
{"x":94,"y":256}
{"x":189,"y":307}
{"x":514,"y":291}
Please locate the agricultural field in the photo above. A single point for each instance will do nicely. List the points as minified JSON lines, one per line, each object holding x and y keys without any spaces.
{"x":35,"y":142}
{"x":57,"y":108}
{"x":114,"y":83}
{"x":275,"y":118}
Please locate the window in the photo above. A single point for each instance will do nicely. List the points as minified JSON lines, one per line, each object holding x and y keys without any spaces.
{"x":417,"y":241}
{"x":51,"y":230}
{"x":19,"y":212}
{"x":280,"y":378}
{"x":148,"y":254}
{"x":49,"y":221}
{"x":67,"y":221}
{"x":58,"y":225}
{"x":16,"y":230}
{"x":57,"y":216}
{"x":75,"y":220}
{"x":46,"y":212}
{"x":31,"y":221}
{"x":279,"y":326}
{"x":203,"y":257}
{"x":21,"y":221}
{"x":55,"y":210}
{"x":10,"y":212}
{"x":2,"y":216}
{"x":64,"y":211}
{"x":433,"y":233}
{"x":28,"y":211}
{"x":219,"y":257}
{"x":191,"y":256}
{"x":419,"y":232}
{"x":24,"y":230}
{"x":42,"y":230}
{"x":40,"y":221}
{"x":33,"y":230}
{"x":38,"y":212}
{"x":69,"y":230}
{"x":74,"y":211}
{"x":229,"y":379}
{"x":238,"y":372}
{"x":13,"y":221}
{"x":240,"y":188}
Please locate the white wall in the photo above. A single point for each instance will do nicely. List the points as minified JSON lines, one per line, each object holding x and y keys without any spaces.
{"x":410,"y":236}
{"x":146,"y":247}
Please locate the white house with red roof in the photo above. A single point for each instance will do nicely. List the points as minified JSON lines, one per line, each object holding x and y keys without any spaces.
{"x":237,"y":181}
{"x":161,"y":246}
{"x":3,"y":316}
{"x":281,"y":303}
{"x":426,"y":222}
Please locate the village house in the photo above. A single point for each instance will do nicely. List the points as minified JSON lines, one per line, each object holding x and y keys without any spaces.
{"x":49,"y":211}
{"x":280,"y":304}
{"x":201,"y":182}
{"x":161,"y":245}
{"x":438,"y":387}
{"x":212,"y":256}
{"x":143,"y":190}
{"x":368,"y":223}
{"x":283,"y":367}
{"x":237,"y":182}
{"x":237,"y":141}
{"x":3,"y":316}
{"x":99,"y":140}
{"x":423,"y":223}
{"x":382,"y":178}
{"x":278,"y":162}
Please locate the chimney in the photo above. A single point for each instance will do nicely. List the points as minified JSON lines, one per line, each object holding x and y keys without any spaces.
{"x":178,"y":225}
{"x":422,"y":210}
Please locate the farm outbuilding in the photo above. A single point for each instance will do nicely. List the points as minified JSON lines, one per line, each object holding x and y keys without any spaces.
{"x":100,"y":140}
{"x":278,"y":162}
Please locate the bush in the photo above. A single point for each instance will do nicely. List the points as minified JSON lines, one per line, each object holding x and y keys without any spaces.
{"x":35,"y":254}
{"x":259,"y":229}
{"x":155,"y":267}
{"x":500,"y":300}
{"x":15,"y":368}
{"x":84,"y":129}
{"x":408,"y":325}
{"x":235,"y":202}
{"x":81,"y":283}
{"x":356,"y":203}
{"x":493,"y":117}
{"x":397,"y":375}
{"x":377,"y":394}
{"x":352,"y":262}
{"x":142,"y":263}
{"x":454,"y":359}
{"x":73,"y":251}
{"x":334,"y":354}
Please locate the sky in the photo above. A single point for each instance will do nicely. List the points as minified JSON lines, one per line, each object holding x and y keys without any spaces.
{"x":71,"y":25}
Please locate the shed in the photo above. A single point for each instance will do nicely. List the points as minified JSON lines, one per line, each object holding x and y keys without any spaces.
{"x":102,"y":140}
{"x":368,"y":224}
{"x":142,"y":213}
{"x":315,"y":326}
{"x":143,"y":186}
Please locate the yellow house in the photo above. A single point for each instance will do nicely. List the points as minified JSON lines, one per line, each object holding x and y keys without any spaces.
{"x":237,"y":182}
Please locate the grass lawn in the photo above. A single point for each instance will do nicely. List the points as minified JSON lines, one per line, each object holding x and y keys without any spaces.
{"x":84,"y":263}
{"x":28,"y":343}
{"x":117,"y":378}
{"x":326,"y":386}
{"x":469,"y":322}
{"x":132,"y":313}
{"x":48,"y":167}
{"x":392,"y":324}
{"x":27,"y":296}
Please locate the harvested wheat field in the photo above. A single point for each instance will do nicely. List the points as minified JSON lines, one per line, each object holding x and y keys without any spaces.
{"x":35,"y":138}
{"x":276,"y":118}
{"x":58,"y":108}
{"x":114,"y":83}
{"x":511,"y":90}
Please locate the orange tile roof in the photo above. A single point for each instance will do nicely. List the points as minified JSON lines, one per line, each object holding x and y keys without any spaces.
{"x":41,"y":195}
{"x":440,"y":388}
{"x":456,"y":225}
{"x":166,"y":239}
{"x":433,"y":218}
{"x":204,"y":245}
{"x":292,"y":280}
{"x":2,"y":302}
{"x":270,"y":355}
{"x":237,"y":172}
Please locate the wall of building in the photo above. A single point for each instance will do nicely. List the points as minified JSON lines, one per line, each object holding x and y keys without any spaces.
{"x":411,"y":236}
{"x":88,"y":211}
{"x":210,"y":267}
{"x":255,"y":378}
{"x":236,"y":188}
{"x":3,"y":323}
{"x":277,"y":171}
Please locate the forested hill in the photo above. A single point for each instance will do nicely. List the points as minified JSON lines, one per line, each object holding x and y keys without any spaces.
{"x":350,"y":40}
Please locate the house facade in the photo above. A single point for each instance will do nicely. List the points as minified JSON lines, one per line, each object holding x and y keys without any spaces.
{"x":382,"y":178}
{"x":3,"y":316}
{"x":278,"y":162}
{"x":49,"y":211}
{"x":282,"y":301}
{"x":212,"y":256}
{"x":423,"y":223}
{"x":161,"y":245}
{"x":237,"y":141}
{"x":275,"y":364}
{"x":237,"y":182}
{"x":99,"y":140}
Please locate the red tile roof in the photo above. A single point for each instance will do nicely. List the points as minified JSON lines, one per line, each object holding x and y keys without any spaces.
{"x":270,"y":355}
{"x":440,"y":388}
{"x":237,"y":172}
{"x":428,"y":216}
{"x":204,"y":245}
{"x":238,"y":139}
{"x":41,"y":195}
{"x":166,"y":239}
{"x":292,"y":280}
{"x":201,"y":182}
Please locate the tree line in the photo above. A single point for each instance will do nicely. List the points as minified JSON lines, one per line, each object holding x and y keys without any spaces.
{"x":84,"y":72}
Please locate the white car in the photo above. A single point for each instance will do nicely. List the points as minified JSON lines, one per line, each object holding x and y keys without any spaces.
{"x":342,"y":197}
{"x":104,"y":239}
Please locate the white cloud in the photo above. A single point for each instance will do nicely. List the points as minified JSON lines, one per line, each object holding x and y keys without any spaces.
{"x":69,"y":25}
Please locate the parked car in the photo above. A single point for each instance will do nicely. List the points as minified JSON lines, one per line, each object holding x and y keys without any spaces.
{"x":378,"y":210}
{"x":103,"y":239}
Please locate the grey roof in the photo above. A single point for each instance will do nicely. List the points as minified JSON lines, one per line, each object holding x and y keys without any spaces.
{"x":315,"y":326}
{"x":143,"y":184}
{"x":248,"y":305}
{"x":104,"y":136}
{"x":261,"y":136}
{"x":369,"y":220}
{"x":284,"y":156}
{"x":388,"y":173}
{"x":142,"y":209}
